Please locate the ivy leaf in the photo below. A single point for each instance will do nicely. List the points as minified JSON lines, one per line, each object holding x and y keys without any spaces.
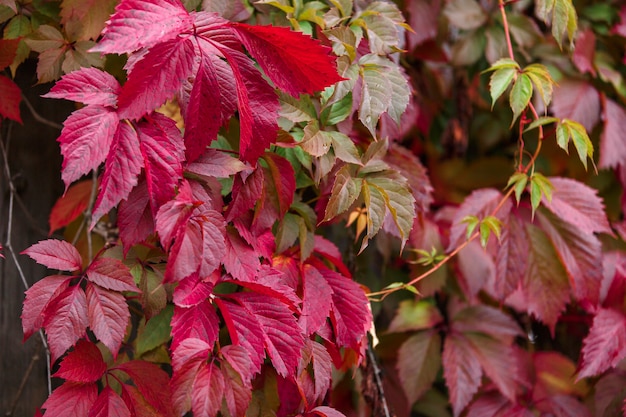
{"x":84,"y":364}
{"x":214,"y":163}
{"x":198,"y":322}
{"x":258,"y":322}
{"x":510,"y":267}
{"x":108,"y":316}
{"x":520,"y":95}
{"x":65,"y":320}
{"x":71,"y":399}
{"x":166,"y":64}
{"x":579,"y":205}
{"x":157,"y":331}
{"x":70,"y":205}
{"x":55,"y":254}
{"x":578,"y":101}
{"x":186,"y":360}
{"x":461,"y":370}
{"x":605,"y":345}
{"x":345,"y":191}
{"x":568,"y":129}
{"x":207,"y":391}
{"x":316,"y":300}
{"x":376,"y":94}
{"x":109,"y":404}
{"x":540,"y":189}
{"x":542,"y":80}
{"x":499,"y":82}
{"x":612,"y":149}
{"x":281,"y":51}
{"x":111,"y":274}
{"x":92,"y":15}
{"x":280,"y":183}
{"x":38,"y":297}
{"x":134,"y":217}
{"x":415,"y":315}
{"x":142,"y":23}
{"x":85,"y":140}
{"x":241,"y":260}
{"x":419,"y":361}
{"x":10,"y":101}
{"x":465,"y":14}
{"x":153,"y":384}
{"x":87,"y":86}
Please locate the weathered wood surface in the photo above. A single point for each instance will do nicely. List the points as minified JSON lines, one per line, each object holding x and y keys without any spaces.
{"x":34,"y":163}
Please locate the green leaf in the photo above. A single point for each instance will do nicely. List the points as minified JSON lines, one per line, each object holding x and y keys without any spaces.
{"x":296,"y":110}
{"x":519,"y":179}
{"x":337,"y":112}
{"x":156,"y":331}
{"x":542,"y":80}
{"x":400,"y":90}
{"x":539,"y":186}
{"x":472,"y":222}
{"x":499,"y":82}
{"x":542,"y":121}
{"x":564,"y":18}
{"x":502,"y":63}
{"x":344,"y":148}
{"x":520,"y":95}
{"x":568,"y":129}
{"x":488,"y":225}
{"x":287,"y":232}
{"x":345,"y":191}
{"x":376,"y":95}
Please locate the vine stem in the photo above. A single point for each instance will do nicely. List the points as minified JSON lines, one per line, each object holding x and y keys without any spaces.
{"x":507,"y":34}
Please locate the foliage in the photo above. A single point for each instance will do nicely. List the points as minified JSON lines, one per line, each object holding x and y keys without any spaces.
{"x":264,"y":165}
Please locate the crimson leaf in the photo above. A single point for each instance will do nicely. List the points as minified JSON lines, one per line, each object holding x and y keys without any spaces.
{"x":111,"y":274}
{"x":83,"y":364}
{"x":70,"y":205}
{"x":65,"y":320}
{"x":152,"y":382}
{"x":198,"y":322}
{"x":605,"y":346}
{"x":462,"y":371}
{"x":207,"y":391}
{"x":55,"y":254}
{"x":109,"y":404}
{"x":612,"y":148}
{"x":71,"y":400}
{"x":37,"y":299}
{"x":11,"y":95}
{"x":87,"y":86}
{"x":108,"y":316}
{"x":317,"y":300}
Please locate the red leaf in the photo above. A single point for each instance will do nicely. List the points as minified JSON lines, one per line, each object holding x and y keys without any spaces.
{"x":578,"y":101}
{"x":87,"y":86}
{"x":71,"y":400}
{"x":579,"y":205}
{"x":584,"y":52}
{"x":122,"y":167}
{"x":480,"y":203}
{"x":325,"y":411}
{"x":237,"y":389}
{"x":605,"y":346}
{"x":197,"y":322}
{"x":174,"y":214}
{"x":351,"y":316}
{"x":258,"y":322}
{"x":162,"y":149}
{"x":280,"y":183}
{"x":109,"y":404}
{"x":165,"y":65}
{"x":111,"y":274}
{"x":419,"y":361}
{"x":152,"y":382}
{"x":208,"y":389}
{"x":55,"y":254}
{"x":85,"y":140}
{"x":322,"y":369}
{"x":134,"y":217}
{"x":70,"y":205}
{"x":241,"y":260}
{"x":510,"y":267}
{"x":10,"y":97}
{"x":414,"y":171}
{"x":485,"y":319}
{"x":247,"y":189}
{"x":38,"y":297}
{"x":186,"y":361}
{"x":203,"y":117}
{"x":213,"y":163}
{"x":143,"y":23}
{"x":65,"y":320}
{"x":83,"y":364}
{"x":136,"y":403}
{"x":579,"y":253}
{"x":192,"y":290}
{"x":461,"y":370}
{"x":8,"y":48}
{"x":316,"y":300}
{"x":108,"y":316}
{"x":295,"y":62}
{"x":258,"y":107}
{"x":612,"y":146}
{"x":237,"y":357}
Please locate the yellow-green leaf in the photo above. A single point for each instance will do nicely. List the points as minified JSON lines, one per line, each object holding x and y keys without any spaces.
{"x":520,"y":95}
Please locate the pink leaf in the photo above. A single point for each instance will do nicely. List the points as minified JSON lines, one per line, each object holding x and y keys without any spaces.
{"x":213,"y":163}
{"x":186,"y":361}
{"x":192,"y":290}
{"x":419,"y":361}
{"x":38,"y":297}
{"x":237,"y":357}
{"x":152,"y":382}
{"x":241,"y":260}
{"x":208,"y":389}
{"x":85,"y":140}
{"x":83,"y":364}
{"x":134,"y":217}
{"x":247,"y":189}
{"x":612,"y":145}
{"x":108,"y":316}
{"x":584,"y":52}
{"x":258,"y":107}
{"x":316,"y":301}
{"x":111,"y":274}
{"x":143,"y":23}
{"x":10,"y":97}
{"x":197,"y":322}
{"x":351,"y":316}
{"x":295,"y":62}
{"x":122,"y":167}
{"x":87,"y":86}
{"x":579,"y":204}
{"x":605,"y":346}
{"x":65,"y":320}
{"x":578,"y":101}
{"x":510,"y":267}
{"x":485,"y":319}
{"x":109,"y":404}
{"x":203,"y":117}
{"x":162,"y":149}
{"x":280,"y":183}
{"x":325,"y":411}
{"x":461,"y":370}
{"x":322,"y":369}
{"x":258,"y":322}
{"x":166,"y":65}
{"x":70,"y":205}
{"x":136,"y":403}
{"x":414,"y":171}
{"x":71,"y":400}
{"x":174,"y":214}
{"x":55,"y":254}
